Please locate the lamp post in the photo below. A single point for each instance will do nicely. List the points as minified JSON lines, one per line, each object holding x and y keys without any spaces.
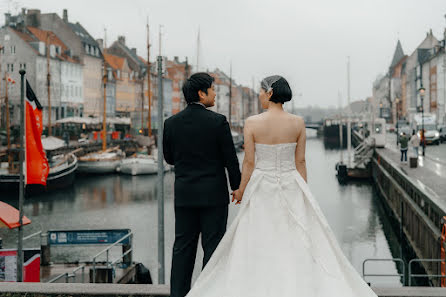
{"x":421,"y":90}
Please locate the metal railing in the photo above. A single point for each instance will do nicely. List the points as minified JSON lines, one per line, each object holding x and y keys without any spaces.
{"x":107,"y":251}
{"x":423,"y":275}
{"x":70,"y":275}
{"x":32,"y":235}
{"x":364,"y":151}
{"x":109,"y":264}
{"x":53,"y":280}
{"x":395,"y":260}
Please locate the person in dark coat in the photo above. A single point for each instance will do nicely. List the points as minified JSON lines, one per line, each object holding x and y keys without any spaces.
{"x":198,"y":142}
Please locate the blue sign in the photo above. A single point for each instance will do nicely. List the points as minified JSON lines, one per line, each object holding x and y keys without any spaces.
{"x":69,"y":237}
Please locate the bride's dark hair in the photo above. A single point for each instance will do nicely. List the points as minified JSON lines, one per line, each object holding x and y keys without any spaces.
{"x":281,"y":89}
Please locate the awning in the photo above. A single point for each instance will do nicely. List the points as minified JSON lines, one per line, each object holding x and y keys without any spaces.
{"x":9,"y":216}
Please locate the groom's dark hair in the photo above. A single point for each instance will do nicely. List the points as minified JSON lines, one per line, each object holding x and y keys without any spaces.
{"x":200,"y":81}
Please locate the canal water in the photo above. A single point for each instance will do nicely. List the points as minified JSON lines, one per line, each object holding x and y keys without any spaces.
{"x":353,"y":211}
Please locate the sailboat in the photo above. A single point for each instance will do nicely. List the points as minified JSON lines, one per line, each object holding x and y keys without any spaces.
{"x":101,"y":162}
{"x":61,"y":173}
{"x":142,"y":162}
{"x":106,"y":160}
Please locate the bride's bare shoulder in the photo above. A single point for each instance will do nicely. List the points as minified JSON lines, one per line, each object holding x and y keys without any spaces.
{"x":297,"y":119}
{"x":253,"y":119}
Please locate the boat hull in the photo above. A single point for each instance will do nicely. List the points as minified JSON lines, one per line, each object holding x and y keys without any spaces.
{"x":98,"y":167}
{"x":57,"y":179}
{"x":138,"y":166}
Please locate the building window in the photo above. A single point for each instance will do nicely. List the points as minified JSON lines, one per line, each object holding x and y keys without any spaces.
{"x":2,"y":50}
{"x":13,"y":49}
{"x":12,"y":67}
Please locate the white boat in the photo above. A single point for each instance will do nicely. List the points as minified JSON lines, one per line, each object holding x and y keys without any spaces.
{"x":140,"y":164}
{"x":100,"y":162}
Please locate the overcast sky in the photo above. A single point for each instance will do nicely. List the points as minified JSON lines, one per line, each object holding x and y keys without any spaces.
{"x":305,"y":41}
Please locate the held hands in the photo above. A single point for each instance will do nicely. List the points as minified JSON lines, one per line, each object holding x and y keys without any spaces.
{"x":237,"y":195}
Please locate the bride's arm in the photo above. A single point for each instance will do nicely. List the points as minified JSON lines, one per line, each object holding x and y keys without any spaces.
{"x":300,"y":151}
{"x":249,"y":159}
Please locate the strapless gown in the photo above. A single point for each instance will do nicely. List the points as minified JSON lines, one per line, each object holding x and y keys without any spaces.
{"x":280,"y":243}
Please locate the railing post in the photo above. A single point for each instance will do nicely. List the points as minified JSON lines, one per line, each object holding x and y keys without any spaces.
{"x":45,"y":249}
{"x":83,"y":274}
{"x":94,"y":270}
{"x":127,"y":260}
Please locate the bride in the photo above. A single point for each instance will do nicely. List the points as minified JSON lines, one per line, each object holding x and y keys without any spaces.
{"x":280,"y":243}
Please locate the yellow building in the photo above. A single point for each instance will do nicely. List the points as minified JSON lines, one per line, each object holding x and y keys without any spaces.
{"x":128,"y":89}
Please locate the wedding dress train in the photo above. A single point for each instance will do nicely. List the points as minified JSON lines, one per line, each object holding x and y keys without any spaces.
{"x":280,"y":243}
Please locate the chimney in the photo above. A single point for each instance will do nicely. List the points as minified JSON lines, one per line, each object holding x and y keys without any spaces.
{"x":134,"y":51}
{"x":100,"y":42}
{"x":7,"y":19}
{"x":33,"y":18}
{"x":121,"y":39}
{"x":176,"y":59}
{"x":65,"y":15}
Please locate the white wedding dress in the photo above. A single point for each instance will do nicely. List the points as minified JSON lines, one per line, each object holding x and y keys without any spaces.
{"x":280,"y":243}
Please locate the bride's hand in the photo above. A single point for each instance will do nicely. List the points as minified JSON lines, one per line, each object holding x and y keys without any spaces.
{"x":237,"y":195}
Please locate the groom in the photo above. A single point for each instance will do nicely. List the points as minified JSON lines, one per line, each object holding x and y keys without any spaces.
{"x":199,"y":143}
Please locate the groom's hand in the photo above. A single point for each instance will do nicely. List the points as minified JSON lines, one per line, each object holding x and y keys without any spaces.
{"x":237,"y":195}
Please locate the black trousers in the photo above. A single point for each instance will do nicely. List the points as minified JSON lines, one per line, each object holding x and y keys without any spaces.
{"x":189,"y":223}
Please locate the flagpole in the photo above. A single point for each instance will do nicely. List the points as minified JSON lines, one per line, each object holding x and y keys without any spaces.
{"x":21,"y":186}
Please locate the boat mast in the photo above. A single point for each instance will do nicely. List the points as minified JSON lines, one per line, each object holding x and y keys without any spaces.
{"x":149,"y":89}
{"x":8,"y":130}
{"x":104,"y":79}
{"x":198,"y":50}
{"x":48,"y":35}
{"x":230,"y":95}
{"x":349,"y":125}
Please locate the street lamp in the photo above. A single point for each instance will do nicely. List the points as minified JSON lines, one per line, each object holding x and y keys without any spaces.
{"x":421,"y":91}
{"x":397,"y":101}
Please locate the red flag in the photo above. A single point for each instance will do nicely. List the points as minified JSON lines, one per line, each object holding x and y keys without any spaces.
{"x":37,"y":167}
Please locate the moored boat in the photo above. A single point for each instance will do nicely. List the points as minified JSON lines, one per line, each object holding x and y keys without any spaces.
{"x":62,"y":174}
{"x":101,"y":162}
{"x":140,"y":164}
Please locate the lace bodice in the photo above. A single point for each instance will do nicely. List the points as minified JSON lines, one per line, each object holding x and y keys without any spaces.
{"x":276,"y":158}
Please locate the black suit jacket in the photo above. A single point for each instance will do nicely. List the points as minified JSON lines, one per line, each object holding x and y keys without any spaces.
{"x":199,"y":143}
